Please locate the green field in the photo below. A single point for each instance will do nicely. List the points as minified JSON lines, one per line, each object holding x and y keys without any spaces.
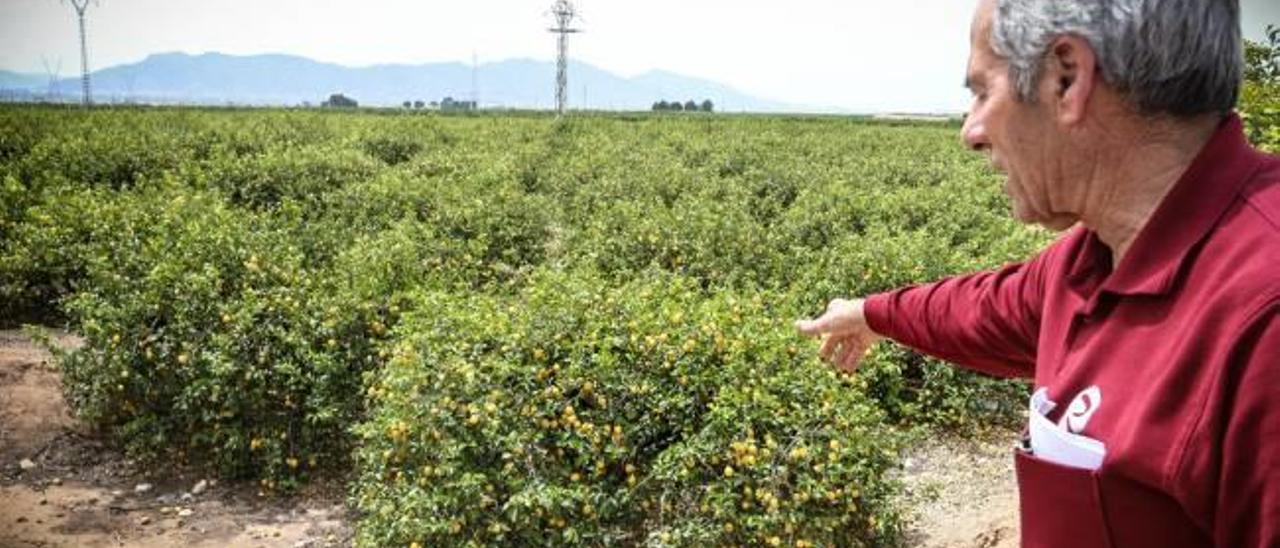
{"x":513,"y":329}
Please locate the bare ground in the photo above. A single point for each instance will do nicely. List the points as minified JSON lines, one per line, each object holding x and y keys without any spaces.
{"x":962,"y":492}
{"x":75,"y":491}
{"x":61,"y":486}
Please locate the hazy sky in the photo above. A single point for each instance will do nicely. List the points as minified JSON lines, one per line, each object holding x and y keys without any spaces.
{"x":864,"y":55}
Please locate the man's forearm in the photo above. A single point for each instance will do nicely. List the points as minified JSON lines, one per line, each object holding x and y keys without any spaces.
{"x":983,"y":321}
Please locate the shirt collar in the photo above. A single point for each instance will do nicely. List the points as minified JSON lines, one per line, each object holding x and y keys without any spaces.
{"x":1191,"y":209}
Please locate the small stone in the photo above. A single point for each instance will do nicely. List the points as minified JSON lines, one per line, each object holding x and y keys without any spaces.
{"x":56,"y":481}
{"x":142,"y":488}
{"x":187,"y":497}
{"x":166,"y":510}
{"x":144,"y":520}
{"x":27,"y":465}
{"x":117,"y":493}
{"x":44,"y":502}
{"x":186,"y":512}
{"x":200,"y":487}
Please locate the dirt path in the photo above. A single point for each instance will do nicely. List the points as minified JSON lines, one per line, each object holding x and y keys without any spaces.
{"x":963,"y":492}
{"x":59,"y":486}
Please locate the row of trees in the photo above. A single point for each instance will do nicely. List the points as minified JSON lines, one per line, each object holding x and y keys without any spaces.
{"x":339,"y":100}
{"x":448,"y":103}
{"x":687,"y":106}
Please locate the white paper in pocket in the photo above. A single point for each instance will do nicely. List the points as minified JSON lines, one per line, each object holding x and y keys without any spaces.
{"x":1054,"y":443}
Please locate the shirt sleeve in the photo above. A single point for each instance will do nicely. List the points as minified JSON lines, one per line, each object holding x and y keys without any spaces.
{"x":989,"y":321}
{"x":1248,"y":495}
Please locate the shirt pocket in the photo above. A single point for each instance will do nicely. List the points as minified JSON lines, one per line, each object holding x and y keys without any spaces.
{"x":1059,"y":505}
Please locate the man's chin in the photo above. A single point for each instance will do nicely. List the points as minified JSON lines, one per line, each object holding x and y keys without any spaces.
{"x":1059,"y":224}
{"x":1055,"y":223}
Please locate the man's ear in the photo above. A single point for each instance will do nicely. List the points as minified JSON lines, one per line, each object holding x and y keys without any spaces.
{"x":1071,"y":70}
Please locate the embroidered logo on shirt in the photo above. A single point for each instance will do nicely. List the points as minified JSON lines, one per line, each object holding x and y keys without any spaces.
{"x":1081,"y":409}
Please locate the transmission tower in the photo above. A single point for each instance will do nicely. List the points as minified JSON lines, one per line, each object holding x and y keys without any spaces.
{"x":53,"y":72}
{"x":475,"y":80}
{"x":564,"y":14}
{"x":81,"y":6}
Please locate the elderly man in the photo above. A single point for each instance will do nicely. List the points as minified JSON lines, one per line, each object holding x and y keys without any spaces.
{"x":1152,"y":327}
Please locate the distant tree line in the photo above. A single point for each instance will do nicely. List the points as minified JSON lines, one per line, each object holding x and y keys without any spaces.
{"x":339,"y":100}
{"x":447,"y":104}
{"x":687,"y":106}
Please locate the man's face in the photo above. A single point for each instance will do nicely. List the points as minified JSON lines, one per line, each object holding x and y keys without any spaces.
{"x":1018,"y":137}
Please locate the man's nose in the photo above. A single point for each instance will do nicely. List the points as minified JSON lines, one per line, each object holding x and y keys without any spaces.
{"x":974,"y":134}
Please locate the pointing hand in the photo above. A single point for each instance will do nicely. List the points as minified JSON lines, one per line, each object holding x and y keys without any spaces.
{"x":847,"y":337}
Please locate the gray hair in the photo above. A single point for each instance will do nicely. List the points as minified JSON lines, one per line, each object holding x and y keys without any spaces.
{"x":1176,"y":57}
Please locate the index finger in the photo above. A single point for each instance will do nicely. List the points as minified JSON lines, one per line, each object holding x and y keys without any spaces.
{"x":814,"y":327}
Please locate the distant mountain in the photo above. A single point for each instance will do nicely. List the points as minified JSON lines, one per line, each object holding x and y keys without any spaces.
{"x":215,"y":78}
{"x":15,"y":80}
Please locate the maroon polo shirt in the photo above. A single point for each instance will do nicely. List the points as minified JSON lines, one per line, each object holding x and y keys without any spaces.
{"x":1181,"y":341}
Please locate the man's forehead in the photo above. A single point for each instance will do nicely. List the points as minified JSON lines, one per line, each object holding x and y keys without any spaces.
{"x":980,"y":53}
{"x":980,"y":26}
